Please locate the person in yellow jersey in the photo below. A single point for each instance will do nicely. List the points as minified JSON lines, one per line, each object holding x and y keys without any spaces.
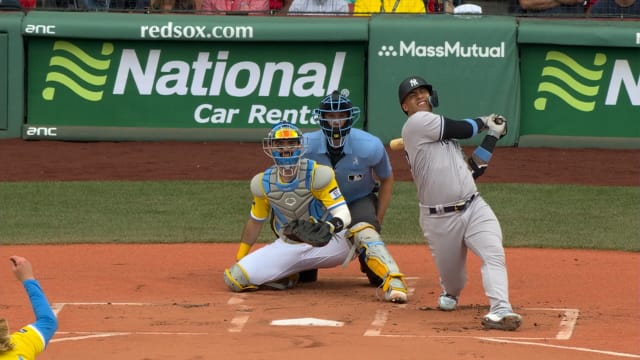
{"x":32,"y":339}
{"x":368,"y":7}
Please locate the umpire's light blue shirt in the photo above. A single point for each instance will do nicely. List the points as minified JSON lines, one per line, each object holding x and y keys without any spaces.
{"x":364,"y":156}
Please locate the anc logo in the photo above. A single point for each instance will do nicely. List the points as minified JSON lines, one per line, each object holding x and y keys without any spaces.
{"x":578,"y":88}
{"x":90,"y":71}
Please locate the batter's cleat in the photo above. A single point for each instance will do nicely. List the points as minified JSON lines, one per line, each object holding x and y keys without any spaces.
{"x":508,"y":321}
{"x":447,"y":302}
{"x":397,"y":291}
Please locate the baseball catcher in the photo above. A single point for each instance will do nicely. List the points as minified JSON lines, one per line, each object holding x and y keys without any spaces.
{"x":288,"y":194}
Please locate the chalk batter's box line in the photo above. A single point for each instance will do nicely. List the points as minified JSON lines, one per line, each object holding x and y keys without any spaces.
{"x":565,"y":327}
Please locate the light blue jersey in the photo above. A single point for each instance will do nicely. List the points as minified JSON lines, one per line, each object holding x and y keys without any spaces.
{"x":364,"y":157}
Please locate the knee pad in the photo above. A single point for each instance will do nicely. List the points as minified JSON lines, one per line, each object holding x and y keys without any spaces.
{"x":374,"y":254}
{"x":237,"y":279}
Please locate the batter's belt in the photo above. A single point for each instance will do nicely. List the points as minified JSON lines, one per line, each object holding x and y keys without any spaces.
{"x":459,"y":206}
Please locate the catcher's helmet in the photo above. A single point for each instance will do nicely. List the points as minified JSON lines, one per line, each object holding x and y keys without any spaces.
{"x":336,"y":115}
{"x":414,"y":82}
{"x":284,"y":145}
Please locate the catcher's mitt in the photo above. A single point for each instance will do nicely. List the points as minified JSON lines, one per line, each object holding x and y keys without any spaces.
{"x":313,"y":233}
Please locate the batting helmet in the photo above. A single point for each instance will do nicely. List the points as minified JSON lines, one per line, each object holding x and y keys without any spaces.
{"x":284,"y":145}
{"x":414,"y":82}
{"x":336,"y":127}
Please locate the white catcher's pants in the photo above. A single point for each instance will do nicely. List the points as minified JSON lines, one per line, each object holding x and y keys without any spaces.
{"x":281,"y":259}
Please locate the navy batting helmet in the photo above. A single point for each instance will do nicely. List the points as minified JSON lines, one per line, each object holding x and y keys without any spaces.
{"x":414,"y":82}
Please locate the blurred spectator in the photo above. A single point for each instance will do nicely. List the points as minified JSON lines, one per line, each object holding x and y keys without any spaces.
{"x":61,"y":4}
{"x":28,"y":4}
{"x":276,"y":6}
{"x":172,"y":6}
{"x":318,"y":7}
{"x":549,"y":7}
{"x":368,"y":7}
{"x":236,"y":6}
{"x":615,"y":8}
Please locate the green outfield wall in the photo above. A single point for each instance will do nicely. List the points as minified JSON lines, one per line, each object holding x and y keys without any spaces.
{"x":107,"y":76}
{"x":11,"y":75}
{"x":471,"y":61}
{"x":582,"y":88}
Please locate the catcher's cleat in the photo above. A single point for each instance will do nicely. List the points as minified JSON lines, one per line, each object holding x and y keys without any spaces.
{"x":447,"y":302}
{"x":508,"y":321}
{"x":396,"y":289}
{"x":395,"y":296}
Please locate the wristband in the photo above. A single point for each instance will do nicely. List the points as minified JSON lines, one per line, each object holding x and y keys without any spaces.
{"x":243,"y":250}
{"x":336,"y":224}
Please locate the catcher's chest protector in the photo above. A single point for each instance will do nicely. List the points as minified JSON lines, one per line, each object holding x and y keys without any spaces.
{"x":292,"y":200}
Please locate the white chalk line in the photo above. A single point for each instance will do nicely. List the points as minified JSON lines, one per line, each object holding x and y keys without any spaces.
{"x":241,"y":317}
{"x":238,"y":322}
{"x":605,"y":352}
{"x":97,"y":334}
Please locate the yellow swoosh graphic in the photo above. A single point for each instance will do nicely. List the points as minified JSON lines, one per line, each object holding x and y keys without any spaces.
{"x":77,"y":70}
{"x":573,"y":83}
{"x":75,"y":67}
{"x":564,"y":95}
{"x":72,"y":85}
{"x":593,"y":75}
{"x":83,"y":56}
{"x":586,"y":74}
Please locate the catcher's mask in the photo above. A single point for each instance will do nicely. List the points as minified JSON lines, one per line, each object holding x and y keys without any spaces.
{"x":336,"y":115}
{"x":414,"y":82}
{"x":284,"y":145}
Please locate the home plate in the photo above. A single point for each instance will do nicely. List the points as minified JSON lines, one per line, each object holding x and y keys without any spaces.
{"x":306,"y":322}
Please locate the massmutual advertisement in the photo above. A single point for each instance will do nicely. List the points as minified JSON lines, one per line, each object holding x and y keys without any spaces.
{"x":118,"y":89}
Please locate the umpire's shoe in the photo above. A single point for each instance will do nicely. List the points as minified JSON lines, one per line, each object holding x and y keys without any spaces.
{"x":308,"y":276}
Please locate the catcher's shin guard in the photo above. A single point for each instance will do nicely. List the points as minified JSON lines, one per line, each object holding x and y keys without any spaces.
{"x":237,"y":279}
{"x":377,"y":259}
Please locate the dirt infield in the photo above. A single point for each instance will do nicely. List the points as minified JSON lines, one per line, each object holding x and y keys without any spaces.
{"x":169,"y":301}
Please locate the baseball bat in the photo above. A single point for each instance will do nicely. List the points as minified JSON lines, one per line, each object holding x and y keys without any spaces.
{"x":396,"y":144}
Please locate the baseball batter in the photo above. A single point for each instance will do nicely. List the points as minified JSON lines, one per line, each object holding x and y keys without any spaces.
{"x":293,"y":188}
{"x":361,"y":163}
{"x":453,"y":215}
{"x":32,"y":339}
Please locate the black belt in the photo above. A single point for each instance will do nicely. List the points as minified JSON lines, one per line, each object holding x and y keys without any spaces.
{"x":461,"y":206}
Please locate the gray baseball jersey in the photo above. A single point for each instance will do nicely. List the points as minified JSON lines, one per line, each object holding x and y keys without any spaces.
{"x":443,"y":179}
{"x":439,"y":167}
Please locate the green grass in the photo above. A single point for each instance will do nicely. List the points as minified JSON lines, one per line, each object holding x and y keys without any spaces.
{"x":548,"y":216}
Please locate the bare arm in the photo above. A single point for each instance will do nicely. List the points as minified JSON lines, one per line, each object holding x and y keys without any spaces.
{"x":384,"y":197}
{"x":249,"y":237}
{"x":546,"y":4}
{"x":251,"y":231}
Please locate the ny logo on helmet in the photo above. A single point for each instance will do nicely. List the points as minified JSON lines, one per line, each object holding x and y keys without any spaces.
{"x":413,"y":82}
